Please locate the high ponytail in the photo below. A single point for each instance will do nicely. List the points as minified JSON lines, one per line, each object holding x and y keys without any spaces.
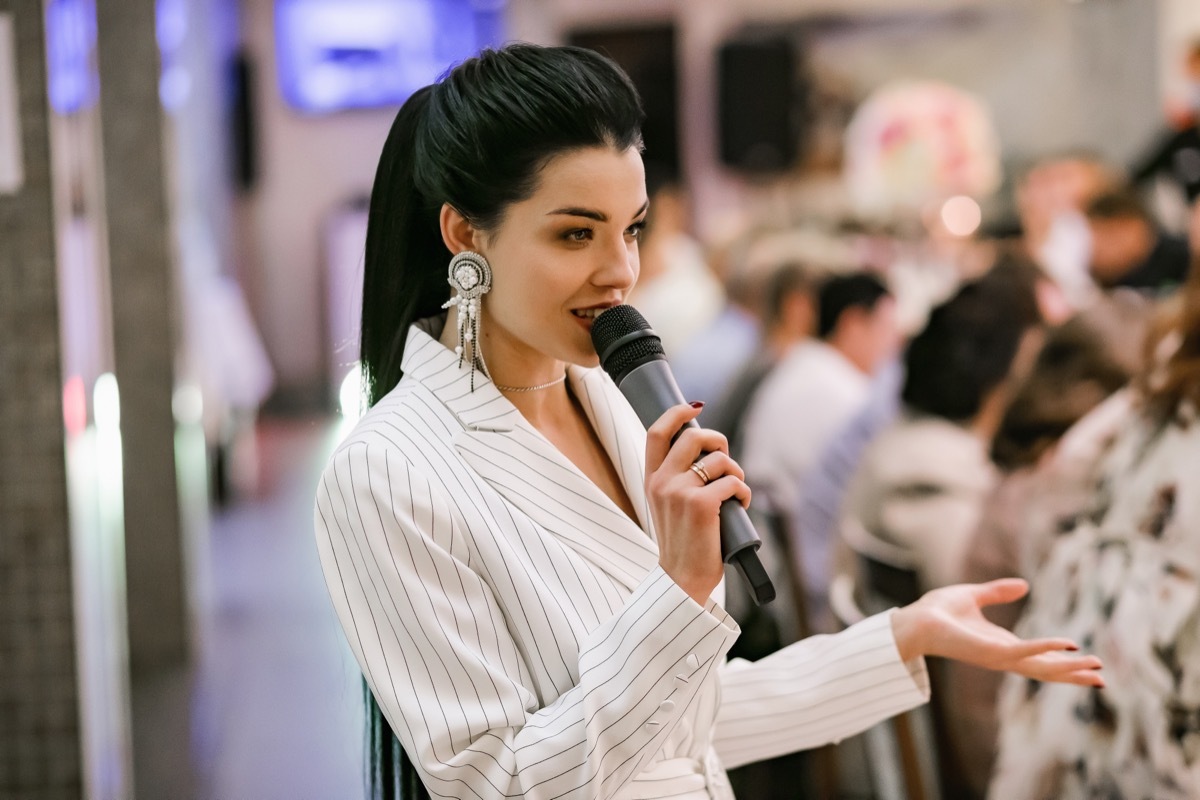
{"x":402,"y":230}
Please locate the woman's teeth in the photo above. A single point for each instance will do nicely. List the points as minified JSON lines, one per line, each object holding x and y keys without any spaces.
{"x":589,"y":313}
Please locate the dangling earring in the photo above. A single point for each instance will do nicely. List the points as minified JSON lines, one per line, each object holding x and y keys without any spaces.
{"x":470,"y":276}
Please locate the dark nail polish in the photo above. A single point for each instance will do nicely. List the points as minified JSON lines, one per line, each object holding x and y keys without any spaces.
{"x":697,"y":404}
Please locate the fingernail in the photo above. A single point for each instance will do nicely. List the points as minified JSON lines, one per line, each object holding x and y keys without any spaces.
{"x":697,"y":404}
{"x":1072,"y":647}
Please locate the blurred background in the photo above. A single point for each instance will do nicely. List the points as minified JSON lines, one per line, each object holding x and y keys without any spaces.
{"x":182,"y":210}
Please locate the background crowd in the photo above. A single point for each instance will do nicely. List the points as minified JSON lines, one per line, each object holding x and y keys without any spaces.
{"x":1032,"y":415}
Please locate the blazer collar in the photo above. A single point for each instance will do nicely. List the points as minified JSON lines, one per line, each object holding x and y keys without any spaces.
{"x":507,"y":452}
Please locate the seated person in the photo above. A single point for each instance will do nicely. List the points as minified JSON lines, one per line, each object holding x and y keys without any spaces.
{"x":921,"y":483}
{"x":1129,"y":249}
{"x":817,"y":386}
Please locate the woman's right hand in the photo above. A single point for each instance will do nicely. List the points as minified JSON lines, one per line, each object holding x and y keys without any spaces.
{"x":686,"y":510}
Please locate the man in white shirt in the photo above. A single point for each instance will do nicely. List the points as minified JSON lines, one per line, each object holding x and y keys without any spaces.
{"x":818,"y":387}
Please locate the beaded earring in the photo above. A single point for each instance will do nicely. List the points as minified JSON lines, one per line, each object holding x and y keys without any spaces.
{"x":470,"y":276}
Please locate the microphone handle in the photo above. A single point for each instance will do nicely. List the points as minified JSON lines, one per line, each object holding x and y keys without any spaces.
{"x":651,"y":390}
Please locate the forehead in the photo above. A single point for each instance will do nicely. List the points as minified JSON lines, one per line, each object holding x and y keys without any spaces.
{"x":592,"y":177}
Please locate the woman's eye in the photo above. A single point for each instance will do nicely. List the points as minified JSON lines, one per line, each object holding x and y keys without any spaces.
{"x":636,"y":230}
{"x":579,"y":235}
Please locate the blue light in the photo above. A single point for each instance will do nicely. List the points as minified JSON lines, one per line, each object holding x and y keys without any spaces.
{"x":338,"y":54}
{"x":70,"y":55}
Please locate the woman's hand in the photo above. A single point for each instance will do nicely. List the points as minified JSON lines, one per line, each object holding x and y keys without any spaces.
{"x":948,"y":622}
{"x":686,"y":510}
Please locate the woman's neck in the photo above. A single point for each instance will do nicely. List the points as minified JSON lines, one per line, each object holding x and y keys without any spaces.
{"x":539,"y":406}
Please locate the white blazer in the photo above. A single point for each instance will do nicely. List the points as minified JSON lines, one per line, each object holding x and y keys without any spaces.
{"x":517,"y":630}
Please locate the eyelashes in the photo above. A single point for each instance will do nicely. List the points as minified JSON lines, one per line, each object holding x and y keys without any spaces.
{"x":581,"y":235}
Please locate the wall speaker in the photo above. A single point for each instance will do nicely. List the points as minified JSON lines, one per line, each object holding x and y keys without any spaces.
{"x":759,"y":106}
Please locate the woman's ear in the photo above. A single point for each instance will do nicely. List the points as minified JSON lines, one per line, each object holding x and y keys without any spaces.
{"x":457,"y":233}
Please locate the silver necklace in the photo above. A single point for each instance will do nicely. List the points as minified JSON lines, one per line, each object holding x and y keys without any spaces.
{"x":554,"y":382}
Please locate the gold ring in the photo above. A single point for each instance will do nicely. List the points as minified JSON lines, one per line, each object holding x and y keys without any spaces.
{"x":701,"y":473}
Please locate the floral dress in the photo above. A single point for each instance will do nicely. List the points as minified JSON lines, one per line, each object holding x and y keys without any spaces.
{"x":1123,"y":580}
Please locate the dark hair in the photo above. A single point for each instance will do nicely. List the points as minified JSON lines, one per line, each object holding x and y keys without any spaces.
{"x":1122,"y":204}
{"x":1017,"y":276}
{"x":842,"y":292}
{"x":967,"y":347}
{"x":1081,"y":362}
{"x":478,"y":140}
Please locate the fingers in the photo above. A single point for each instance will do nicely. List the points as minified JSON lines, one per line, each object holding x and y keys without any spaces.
{"x":694,"y":443}
{"x":1004,"y":590}
{"x":660,"y":434}
{"x":729,"y":486}
{"x":1061,"y":668}
{"x":717,"y":465}
{"x":661,"y":443}
{"x":1028,"y":648}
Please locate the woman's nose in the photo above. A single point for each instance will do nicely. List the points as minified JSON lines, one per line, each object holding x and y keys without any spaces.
{"x":619,"y":267}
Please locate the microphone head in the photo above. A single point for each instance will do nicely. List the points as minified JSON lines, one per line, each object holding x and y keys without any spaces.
{"x":625,"y":341}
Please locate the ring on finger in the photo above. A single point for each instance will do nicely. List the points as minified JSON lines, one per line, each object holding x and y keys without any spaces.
{"x":701,"y":473}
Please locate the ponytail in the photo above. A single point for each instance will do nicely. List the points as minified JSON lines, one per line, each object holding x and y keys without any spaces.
{"x":404,"y":267}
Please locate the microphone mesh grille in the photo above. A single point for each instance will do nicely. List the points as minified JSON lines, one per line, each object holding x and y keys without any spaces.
{"x":616,"y":323}
{"x":630,"y":356}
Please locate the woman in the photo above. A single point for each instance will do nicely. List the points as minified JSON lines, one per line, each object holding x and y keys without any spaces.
{"x":1124,"y":575}
{"x":529,"y":580}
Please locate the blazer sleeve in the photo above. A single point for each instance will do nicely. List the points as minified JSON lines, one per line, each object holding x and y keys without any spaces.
{"x":430,"y":638}
{"x":816,"y":691}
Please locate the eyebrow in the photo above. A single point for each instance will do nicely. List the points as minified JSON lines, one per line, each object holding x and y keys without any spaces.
{"x":599,"y":216}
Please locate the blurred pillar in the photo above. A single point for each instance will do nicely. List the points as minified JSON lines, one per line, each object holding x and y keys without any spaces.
{"x":144,"y":335}
{"x":40,"y":751}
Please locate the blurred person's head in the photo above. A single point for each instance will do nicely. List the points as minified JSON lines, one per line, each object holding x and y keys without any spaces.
{"x":755,"y":254}
{"x":958,"y":367}
{"x":1037,"y":294}
{"x":666,"y":218}
{"x":789,"y":305}
{"x":669,"y":210}
{"x":1080,"y":363}
{"x":856,"y":315}
{"x":1123,"y":235}
{"x":1058,"y":185}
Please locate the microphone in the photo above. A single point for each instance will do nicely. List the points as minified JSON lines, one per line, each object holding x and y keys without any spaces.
{"x":632,"y":354}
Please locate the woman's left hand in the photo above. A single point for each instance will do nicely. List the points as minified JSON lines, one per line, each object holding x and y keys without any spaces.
{"x":948,"y":622}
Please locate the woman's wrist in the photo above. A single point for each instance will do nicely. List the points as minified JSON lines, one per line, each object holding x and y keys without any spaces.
{"x":910,"y":631}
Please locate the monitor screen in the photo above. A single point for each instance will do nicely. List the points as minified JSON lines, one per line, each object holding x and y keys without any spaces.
{"x":339,"y":54}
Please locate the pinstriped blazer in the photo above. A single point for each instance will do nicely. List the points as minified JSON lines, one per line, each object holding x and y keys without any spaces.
{"x":516,"y":628}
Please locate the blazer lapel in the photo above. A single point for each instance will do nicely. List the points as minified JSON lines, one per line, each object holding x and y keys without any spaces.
{"x":621,"y":433}
{"x":523,"y":466}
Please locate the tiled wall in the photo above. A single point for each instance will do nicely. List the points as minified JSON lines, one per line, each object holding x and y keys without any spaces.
{"x":39,"y":728}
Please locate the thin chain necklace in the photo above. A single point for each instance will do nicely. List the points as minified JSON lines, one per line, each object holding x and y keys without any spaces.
{"x":554,"y":382}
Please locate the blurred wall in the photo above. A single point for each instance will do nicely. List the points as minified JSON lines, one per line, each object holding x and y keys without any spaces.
{"x":1056,"y":74}
{"x":309,"y":166}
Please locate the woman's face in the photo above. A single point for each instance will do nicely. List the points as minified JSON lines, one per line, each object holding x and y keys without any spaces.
{"x":558,"y":259}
